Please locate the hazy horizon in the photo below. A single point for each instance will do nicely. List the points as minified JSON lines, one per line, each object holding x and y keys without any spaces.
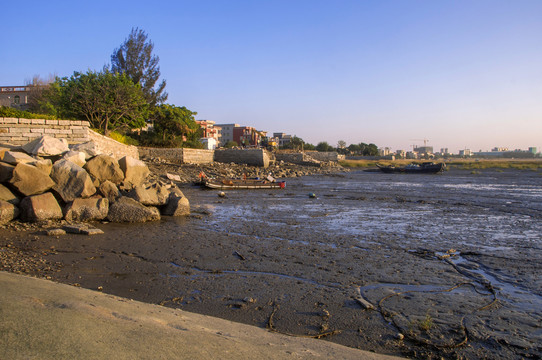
{"x":461,"y":74}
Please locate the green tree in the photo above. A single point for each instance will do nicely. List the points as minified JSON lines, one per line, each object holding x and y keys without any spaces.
{"x":295,"y":143}
{"x":354,"y":148}
{"x":134,"y":57}
{"x":323,"y":146}
{"x":107,"y":100}
{"x":231,"y":144}
{"x":371,"y":150}
{"x":173,"y":123}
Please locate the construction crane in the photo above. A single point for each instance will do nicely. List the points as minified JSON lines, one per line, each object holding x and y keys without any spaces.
{"x":424,"y":141}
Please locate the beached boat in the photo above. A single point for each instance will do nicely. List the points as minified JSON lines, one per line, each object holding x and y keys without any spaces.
{"x":423,"y":168}
{"x":229,"y":184}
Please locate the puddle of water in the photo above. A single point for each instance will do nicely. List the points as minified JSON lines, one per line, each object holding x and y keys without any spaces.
{"x":205,"y":273}
{"x":506,"y":288}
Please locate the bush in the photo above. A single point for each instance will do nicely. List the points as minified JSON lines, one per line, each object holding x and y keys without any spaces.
{"x":122,"y":138}
{"x":231,"y":144}
{"x":6,"y":111}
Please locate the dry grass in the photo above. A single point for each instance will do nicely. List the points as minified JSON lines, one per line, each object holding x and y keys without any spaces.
{"x":465,"y":164}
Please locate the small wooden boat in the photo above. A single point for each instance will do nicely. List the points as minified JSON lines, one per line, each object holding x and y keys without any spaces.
{"x":229,"y":184}
{"x":423,"y":168}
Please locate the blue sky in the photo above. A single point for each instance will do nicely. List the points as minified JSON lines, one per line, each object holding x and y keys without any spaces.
{"x":462,"y":74}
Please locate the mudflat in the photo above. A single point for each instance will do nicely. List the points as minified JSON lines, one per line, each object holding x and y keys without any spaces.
{"x":430,"y":266}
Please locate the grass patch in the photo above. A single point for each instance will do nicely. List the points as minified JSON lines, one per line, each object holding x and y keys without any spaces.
{"x":124,"y":139}
{"x":464,"y":164}
{"x":481,"y":164}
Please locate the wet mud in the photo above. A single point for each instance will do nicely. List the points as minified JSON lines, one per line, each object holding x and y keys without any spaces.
{"x":414,"y":265}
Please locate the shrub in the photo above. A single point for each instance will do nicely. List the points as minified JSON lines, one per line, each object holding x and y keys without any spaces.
{"x":6,"y":111}
{"x":122,"y":138}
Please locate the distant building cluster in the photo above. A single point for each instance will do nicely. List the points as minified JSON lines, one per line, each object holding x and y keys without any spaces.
{"x":426,"y":152}
{"x":219,"y":135}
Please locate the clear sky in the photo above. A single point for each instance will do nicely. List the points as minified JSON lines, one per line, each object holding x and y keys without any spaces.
{"x":461,"y":73}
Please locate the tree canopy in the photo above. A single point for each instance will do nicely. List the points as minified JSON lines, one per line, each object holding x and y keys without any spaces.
{"x":107,"y":100}
{"x":324,"y":146}
{"x":173,"y":122}
{"x":134,"y":58}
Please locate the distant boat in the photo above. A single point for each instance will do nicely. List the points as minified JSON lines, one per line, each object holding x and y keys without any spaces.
{"x":423,"y":168}
{"x":231,"y":184}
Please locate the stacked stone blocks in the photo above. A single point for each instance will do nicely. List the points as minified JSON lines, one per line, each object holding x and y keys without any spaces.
{"x":18,"y":131}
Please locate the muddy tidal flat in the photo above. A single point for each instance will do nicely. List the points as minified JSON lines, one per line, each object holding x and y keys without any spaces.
{"x":423,"y":266}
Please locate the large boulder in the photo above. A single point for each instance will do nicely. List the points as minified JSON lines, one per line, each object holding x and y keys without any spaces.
{"x":109,"y":190}
{"x":135,"y":171}
{"x":46,"y":146}
{"x":126,"y":209}
{"x":87,"y":209}
{"x":104,"y":167}
{"x":152,"y":195}
{"x":8,"y":212}
{"x":72,"y":181}
{"x":40,"y":207}
{"x":6,"y":171}
{"x":89,"y":148}
{"x":45,"y":165}
{"x":15,"y":157}
{"x":29,"y":180}
{"x":7,"y":195}
{"x":177,"y":205}
{"x":76,"y":157}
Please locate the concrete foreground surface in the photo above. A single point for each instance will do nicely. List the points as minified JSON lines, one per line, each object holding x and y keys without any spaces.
{"x":40,"y":319}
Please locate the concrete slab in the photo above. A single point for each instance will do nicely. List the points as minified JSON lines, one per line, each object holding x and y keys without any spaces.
{"x":40,"y":319}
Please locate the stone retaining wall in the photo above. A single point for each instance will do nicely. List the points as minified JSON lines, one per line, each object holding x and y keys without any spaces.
{"x":290,"y":157}
{"x":178,"y":155}
{"x":325,"y":156}
{"x":256,"y":157}
{"x":18,"y":131}
{"x":112,"y":147}
{"x":308,"y":156}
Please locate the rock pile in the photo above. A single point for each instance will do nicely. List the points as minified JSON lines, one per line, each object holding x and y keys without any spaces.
{"x":46,"y":180}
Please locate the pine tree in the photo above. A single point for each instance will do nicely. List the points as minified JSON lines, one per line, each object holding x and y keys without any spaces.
{"x":134,"y":58}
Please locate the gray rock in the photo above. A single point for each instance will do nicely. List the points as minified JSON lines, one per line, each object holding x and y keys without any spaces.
{"x":8,"y":212}
{"x":45,"y":165}
{"x":104,"y":167}
{"x":75,"y":228}
{"x":40,"y":207}
{"x":55,"y":232}
{"x":87,"y":209}
{"x":109,"y":191}
{"x":46,"y":146}
{"x":153,"y":195}
{"x":71,"y":181}
{"x":76,"y":157}
{"x":89,"y":148}
{"x":135,"y":171}
{"x":126,"y":209}
{"x":29,"y":180}
{"x":92,"y":231}
{"x":177,"y":205}
{"x":15,"y":157}
{"x":7,"y":195}
{"x":6,"y":171}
